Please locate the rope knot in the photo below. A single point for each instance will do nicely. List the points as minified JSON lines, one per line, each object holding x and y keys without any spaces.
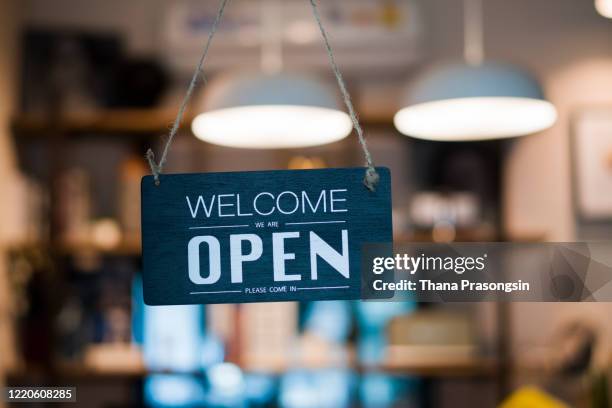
{"x":155,"y":169}
{"x":371,"y":178}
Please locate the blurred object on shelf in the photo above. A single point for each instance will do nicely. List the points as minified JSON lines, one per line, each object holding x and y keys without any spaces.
{"x":373,"y":319}
{"x":34,"y":281}
{"x":174,"y":342}
{"x":379,"y":390}
{"x":575,"y":348}
{"x":461,"y":209}
{"x":113,"y":357}
{"x":73,"y":197}
{"x":457,"y":186}
{"x":86,"y":258}
{"x":429,"y":336}
{"x":443,"y":231}
{"x":118,"y":327}
{"x":172,"y":390}
{"x":67,"y":70}
{"x":326,"y":328}
{"x":314,"y":389}
{"x":131,"y":172}
{"x":429,"y":355}
{"x":77,"y":229}
{"x":69,"y":77}
{"x":172,"y":338}
{"x":432,"y":327}
{"x":95,"y":305}
{"x":27,"y":223}
{"x":137,"y":83}
{"x":223,"y":325}
{"x":226,"y":385}
{"x":314,"y":352}
{"x":531,"y":397}
{"x":306,"y":162}
{"x":402,"y":227}
{"x":73,"y":71}
{"x":568,"y":366}
{"x":442,"y":217}
{"x":484,"y":233}
{"x":70,"y":325}
{"x":268,"y":331}
{"x":328,"y":320}
{"x":105,"y":233}
{"x":220,"y":320}
{"x":23,"y":264}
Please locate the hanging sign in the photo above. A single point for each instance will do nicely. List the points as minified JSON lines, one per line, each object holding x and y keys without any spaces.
{"x":260,"y":236}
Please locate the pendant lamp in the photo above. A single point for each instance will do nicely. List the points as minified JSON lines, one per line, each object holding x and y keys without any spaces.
{"x":474,"y":100}
{"x":271,"y":108}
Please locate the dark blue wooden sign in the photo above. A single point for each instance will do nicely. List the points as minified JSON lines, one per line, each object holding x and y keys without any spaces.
{"x":260,"y":236}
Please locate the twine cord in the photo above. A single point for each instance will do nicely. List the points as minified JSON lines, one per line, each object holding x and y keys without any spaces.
{"x":156,"y":168}
{"x":371,"y":175}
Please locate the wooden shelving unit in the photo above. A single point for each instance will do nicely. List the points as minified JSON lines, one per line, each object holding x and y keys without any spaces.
{"x":108,"y":122}
{"x":127,"y":249}
{"x":120,"y":122}
{"x":475,"y":368}
{"x":136,"y":126}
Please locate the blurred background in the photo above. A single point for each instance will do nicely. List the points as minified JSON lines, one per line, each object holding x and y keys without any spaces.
{"x":86,"y":86}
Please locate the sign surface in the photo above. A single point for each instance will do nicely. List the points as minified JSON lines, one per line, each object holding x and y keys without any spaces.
{"x":260,"y":236}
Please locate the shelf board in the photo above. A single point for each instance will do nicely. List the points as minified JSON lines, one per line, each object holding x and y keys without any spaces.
{"x":133,"y":247}
{"x":123,"y":249}
{"x":126,"y":248}
{"x":478,"y":368}
{"x":117,"y":122}
{"x":474,"y":367}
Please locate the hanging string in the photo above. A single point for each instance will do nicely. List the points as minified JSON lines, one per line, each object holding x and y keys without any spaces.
{"x":473,"y":27}
{"x":371,"y":176}
{"x":156,"y":168}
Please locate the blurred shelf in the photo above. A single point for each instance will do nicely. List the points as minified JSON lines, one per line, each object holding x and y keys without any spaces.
{"x":467,"y":236}
{"x":473,"y":367}
{"x":133,"y":247}
{"x":117,"y":122}
{"x":114,"y":122}
{"x":73,"y":374}
{"x":126,"y":248}
{"x":461,"y":236}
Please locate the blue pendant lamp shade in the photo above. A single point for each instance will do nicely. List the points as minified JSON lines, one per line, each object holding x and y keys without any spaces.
{"x":474,"y":102}
{"x":262,"y":111}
